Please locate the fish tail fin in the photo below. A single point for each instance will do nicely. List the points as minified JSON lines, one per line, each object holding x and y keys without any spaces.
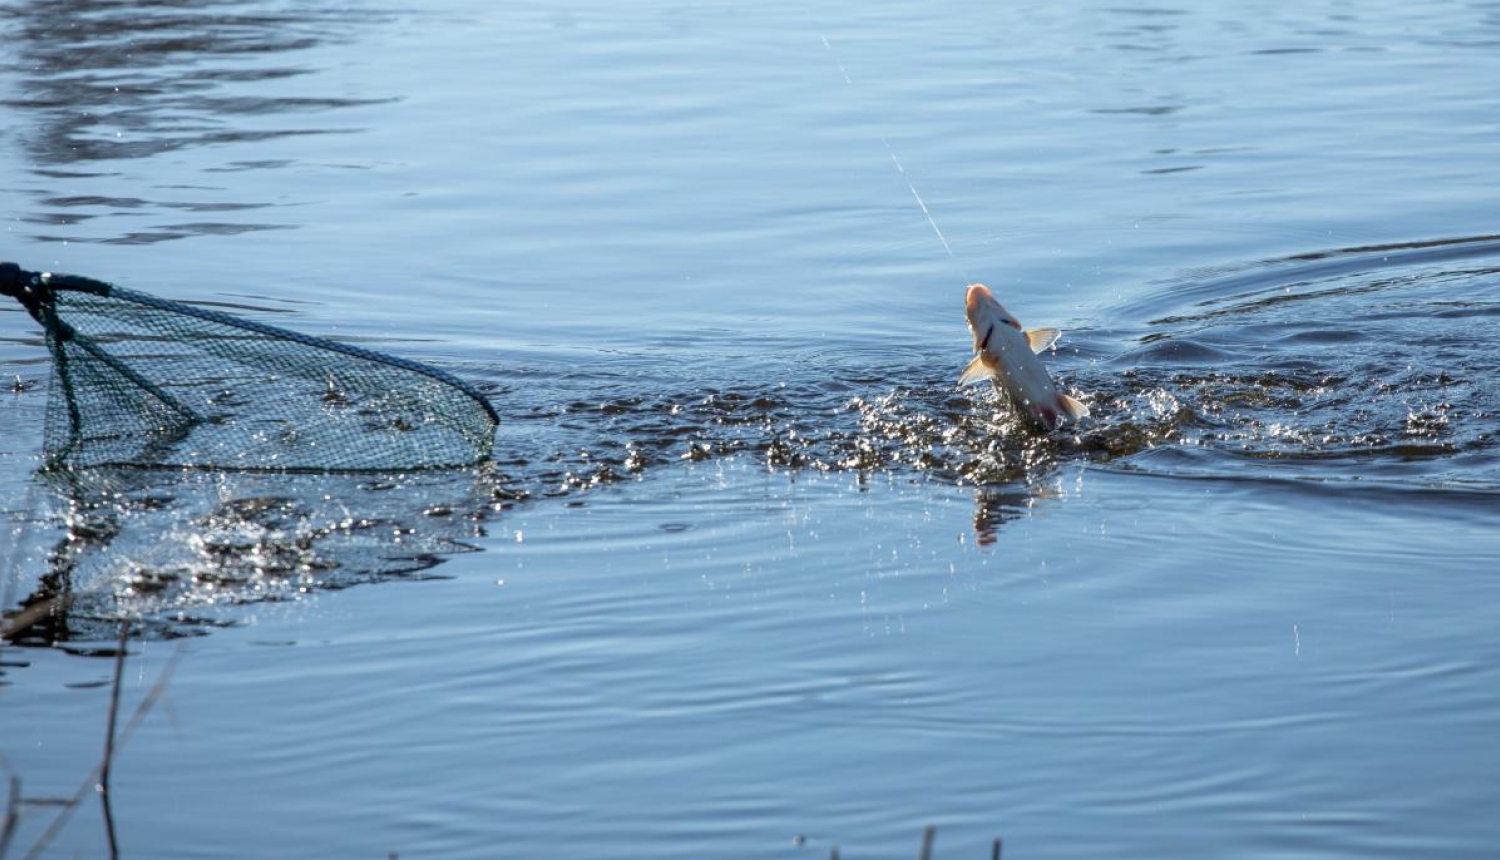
{"x":1072,"y":408}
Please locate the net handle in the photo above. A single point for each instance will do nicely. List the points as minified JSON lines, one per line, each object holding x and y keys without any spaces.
{"x":34,"y":289}
{"x":23,"y":286}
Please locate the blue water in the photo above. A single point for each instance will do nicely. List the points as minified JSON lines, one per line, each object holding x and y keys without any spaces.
{"x":761,"y":580}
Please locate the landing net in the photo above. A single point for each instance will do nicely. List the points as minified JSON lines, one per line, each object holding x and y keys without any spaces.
{"x":142,"y":381}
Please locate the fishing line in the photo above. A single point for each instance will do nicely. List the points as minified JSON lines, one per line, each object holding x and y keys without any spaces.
{"x":921,"y":204}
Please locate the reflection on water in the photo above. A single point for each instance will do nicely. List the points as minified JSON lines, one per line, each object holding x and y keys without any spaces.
{"x":995,"y":506}
{"x":100,"y":83}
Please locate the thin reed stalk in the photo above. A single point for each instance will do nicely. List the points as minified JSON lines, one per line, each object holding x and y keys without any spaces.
{"x":109,"y":741}
{"x":95,"y":776}
{"x":929,"y":833}
{"x":12,"y":810}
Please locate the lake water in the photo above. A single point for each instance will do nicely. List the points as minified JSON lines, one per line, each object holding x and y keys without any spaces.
{"x":750,"y":575}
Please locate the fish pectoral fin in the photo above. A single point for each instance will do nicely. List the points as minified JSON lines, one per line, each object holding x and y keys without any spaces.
{"x":975,"y":372}
{"x":1076,"y":411}
{"x":1041,"y":338}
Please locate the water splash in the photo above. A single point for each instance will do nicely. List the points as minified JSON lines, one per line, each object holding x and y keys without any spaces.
{"x":1331,"y":369}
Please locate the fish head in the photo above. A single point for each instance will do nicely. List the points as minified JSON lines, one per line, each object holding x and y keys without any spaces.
{"x":985,"y":313}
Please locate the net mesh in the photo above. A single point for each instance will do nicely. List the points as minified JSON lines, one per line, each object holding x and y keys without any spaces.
{"x":142,"y":381}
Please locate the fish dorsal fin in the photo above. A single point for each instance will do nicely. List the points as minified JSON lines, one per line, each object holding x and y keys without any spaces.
{"x":975,"y":372}
{"x":1041,"y":338}
{"x":1076,"y":411}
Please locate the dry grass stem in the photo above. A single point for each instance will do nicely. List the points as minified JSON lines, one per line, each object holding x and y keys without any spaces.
{"x":96,"y":776}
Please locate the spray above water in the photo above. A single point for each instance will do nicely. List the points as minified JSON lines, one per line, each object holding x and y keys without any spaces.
{"x":1364,"y":367}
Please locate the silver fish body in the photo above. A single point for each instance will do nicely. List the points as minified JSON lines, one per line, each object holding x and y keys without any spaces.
{"x":1007,"y":354}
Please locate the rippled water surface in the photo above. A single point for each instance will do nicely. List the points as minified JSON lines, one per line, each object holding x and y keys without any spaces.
{"x":749,"y":574}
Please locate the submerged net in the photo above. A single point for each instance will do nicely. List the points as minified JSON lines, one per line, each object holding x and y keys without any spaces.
{"x":142,"y":381}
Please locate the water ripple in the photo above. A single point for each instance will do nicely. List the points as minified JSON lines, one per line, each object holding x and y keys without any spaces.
{"x":101,"y":82}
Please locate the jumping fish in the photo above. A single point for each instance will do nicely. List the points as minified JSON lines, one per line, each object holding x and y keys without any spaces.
{"x":1007,"y":355}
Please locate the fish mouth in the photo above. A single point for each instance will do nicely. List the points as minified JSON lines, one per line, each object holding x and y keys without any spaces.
{"x":975,"y":302}
{"x":980,"y":303}
{"x":976,"y":295}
